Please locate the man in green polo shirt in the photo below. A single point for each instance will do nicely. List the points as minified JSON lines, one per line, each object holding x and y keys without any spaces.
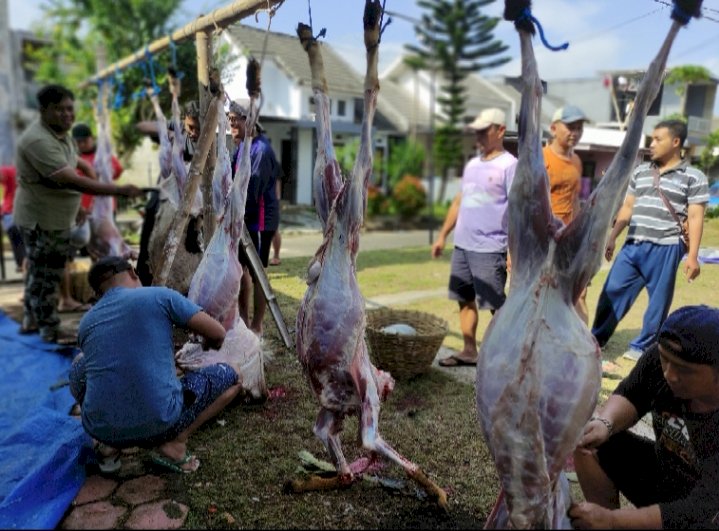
{"x":47,"y":202}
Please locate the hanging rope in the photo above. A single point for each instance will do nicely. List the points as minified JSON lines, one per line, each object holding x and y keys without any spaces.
{"x":526,"y":14}
{"x":119,"y":99}
{"x":173,"y":53}
{"x":323,"y":31}
{"x":381,"y":17}
{"x":151,"y":66}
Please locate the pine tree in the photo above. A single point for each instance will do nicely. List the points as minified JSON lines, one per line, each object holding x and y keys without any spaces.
{"x":456,"y":39}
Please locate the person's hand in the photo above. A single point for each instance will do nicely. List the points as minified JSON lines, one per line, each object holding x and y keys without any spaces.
{"x":129,"y":190}
{"x":81,"y":216}
{"x":586,"y":515}
{"x":691,"y":269}
{"x":595,"y":433}
{"x":438,"y":247}
{"x":609,"y":250}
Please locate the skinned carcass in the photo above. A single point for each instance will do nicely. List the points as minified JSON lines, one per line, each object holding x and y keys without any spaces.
{"x":216,"y":284}
{"x":539,"y":367}
{"x":331,"y":320}
{"x":105,"y":238}
{"x":173,"y":178}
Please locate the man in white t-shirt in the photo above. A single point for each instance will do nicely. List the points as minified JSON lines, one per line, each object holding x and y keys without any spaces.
{"x":479,"y":214}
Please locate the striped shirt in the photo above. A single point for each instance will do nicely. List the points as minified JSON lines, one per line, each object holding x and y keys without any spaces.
{"x":651,"y":221}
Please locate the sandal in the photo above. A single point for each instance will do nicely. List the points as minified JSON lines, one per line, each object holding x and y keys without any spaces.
{"x":79,"y":307}
{"x":454,"y":361}
{"x":107,"y":463}
{"x":275,"y":262}
{"x":176,"y":466}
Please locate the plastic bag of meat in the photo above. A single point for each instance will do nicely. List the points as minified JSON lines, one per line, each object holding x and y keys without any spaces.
{"x":241,"y":350}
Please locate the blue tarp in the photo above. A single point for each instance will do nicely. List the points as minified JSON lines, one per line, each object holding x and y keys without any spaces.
{"x":43,"y":450}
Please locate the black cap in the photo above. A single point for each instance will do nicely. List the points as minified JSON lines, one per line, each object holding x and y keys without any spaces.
{"x":696,"y":330}
{"x":106,"y":268}
{"x":81,"y":131}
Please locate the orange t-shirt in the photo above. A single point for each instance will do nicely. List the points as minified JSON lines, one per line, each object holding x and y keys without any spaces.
{"x":565,"y":179}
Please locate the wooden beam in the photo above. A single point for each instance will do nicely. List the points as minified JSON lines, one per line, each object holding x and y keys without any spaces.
{"x":203,"y":43}
{"x":219,"y":19}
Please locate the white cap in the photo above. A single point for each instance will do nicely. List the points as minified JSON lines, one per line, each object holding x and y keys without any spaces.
{"x":569,"y":114}
{"x":488,"y":117}
{"x":241,"y":108}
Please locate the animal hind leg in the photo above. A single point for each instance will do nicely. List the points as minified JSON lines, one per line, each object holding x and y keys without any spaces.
{"x":372,"y":441}
{"x":327,"y":428}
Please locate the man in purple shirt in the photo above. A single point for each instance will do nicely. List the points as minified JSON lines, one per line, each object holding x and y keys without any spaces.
{"x":479,"y":214}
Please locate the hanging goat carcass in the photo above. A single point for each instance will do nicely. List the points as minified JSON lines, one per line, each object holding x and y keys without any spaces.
{"x":173,"y":178}
{"x":331,"y":320}
{"x":105,"y":238}
{"x":216,"y":284}
{"x":539,"y":367}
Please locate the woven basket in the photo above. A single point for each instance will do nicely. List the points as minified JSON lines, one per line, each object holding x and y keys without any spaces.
{"x":401,"y":355}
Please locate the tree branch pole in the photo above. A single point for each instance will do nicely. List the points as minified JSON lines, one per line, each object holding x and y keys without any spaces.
{"x":218,"y":19}
{"x":203,"y":43}
{"x":179,"y":222}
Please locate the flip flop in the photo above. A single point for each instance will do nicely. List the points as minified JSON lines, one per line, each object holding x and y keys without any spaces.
{"x":454,"y":361}
{"x":107,"y":463}
{"x":275,"y":261}
{"x":176,"y":466}
{"x":79,"y":307}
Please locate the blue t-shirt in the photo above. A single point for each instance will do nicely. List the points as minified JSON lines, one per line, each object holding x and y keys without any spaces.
{"x":262,"y":206}
{"x":132,"y":388}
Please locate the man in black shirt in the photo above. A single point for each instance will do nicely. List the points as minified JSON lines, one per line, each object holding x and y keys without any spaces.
{"x":672,"y":481}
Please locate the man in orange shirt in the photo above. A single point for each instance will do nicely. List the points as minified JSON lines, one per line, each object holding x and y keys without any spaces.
{"x":565,"y":172}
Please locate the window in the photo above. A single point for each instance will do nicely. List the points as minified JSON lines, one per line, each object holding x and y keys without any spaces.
{"x":341,"y":108}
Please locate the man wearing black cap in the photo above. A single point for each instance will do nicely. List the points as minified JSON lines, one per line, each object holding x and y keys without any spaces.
{"x":125,"y":379}
{"x":672,"y":481}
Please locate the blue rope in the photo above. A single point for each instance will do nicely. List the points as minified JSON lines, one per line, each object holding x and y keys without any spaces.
{"x":120,"y":92}
{"x":151,"y":65}
{"x":680,"y":15}
{"x":173,"y":49}
{"x":527,"y":14}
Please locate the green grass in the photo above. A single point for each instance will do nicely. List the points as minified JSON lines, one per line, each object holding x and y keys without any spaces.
{"x":430,"y":419}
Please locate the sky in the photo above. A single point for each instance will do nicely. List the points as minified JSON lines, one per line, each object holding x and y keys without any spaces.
{"x":602,"y":34}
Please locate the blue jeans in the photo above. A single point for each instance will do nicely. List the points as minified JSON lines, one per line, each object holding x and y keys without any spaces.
{"x":638,"y":265}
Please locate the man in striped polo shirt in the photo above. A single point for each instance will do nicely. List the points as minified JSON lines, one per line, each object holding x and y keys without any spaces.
{"x":653,"y":249}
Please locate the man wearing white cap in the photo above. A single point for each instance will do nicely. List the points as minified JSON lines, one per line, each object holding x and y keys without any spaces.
{"x":564,"y":169}
{"x":479,"y":212}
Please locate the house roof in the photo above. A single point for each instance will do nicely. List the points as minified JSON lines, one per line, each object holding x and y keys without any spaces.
{"x":341,"y":77}
{"x":286,"y":51}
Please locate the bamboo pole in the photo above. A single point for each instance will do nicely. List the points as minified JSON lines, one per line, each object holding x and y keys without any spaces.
{"x":218,"y":19}
{"x":203,"y":44}
{"x":182,"y":216}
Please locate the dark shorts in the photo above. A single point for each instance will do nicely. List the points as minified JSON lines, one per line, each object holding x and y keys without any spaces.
{"x":263,"y":244}
{"x":478,"y":276}
{"x":200,"y":388}
{"x":631,"y":463}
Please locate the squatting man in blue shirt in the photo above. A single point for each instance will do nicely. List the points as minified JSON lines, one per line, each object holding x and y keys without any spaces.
{"x":125,"y":379}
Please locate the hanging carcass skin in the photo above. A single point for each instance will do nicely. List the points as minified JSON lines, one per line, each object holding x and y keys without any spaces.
{"x":105,"y":238}
{"x":216,"y":284}
{"x":331,"y":320}
{"x":173,"y":178}
{"x":539,"y":367}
